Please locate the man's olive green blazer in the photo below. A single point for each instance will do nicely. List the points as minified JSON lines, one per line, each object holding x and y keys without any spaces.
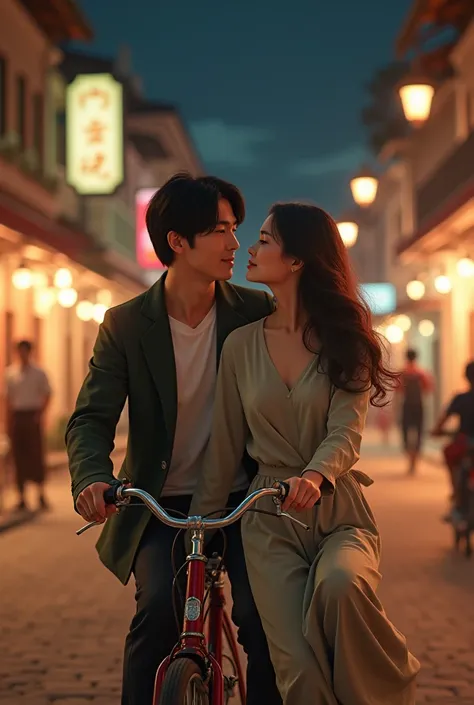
{"x":133,"y":358}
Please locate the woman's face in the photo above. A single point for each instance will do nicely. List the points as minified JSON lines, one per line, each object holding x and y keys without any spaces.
{"x":267,"y":263}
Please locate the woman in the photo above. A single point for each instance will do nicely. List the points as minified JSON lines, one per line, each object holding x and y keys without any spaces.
{"x":294,"y":389}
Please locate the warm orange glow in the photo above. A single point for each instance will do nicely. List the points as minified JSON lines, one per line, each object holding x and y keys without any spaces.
{"x":348,"y":231}
{"x":394,"y":333}
{"x":364,"y":189}
{"x":22,"y":278}
{"x":426,"y":328}
{"x":465,"y":267}
{"x":67,"y":297}
{"x":443,"y":284}
{"x":415,"y":290}
{"x":416,"y":101}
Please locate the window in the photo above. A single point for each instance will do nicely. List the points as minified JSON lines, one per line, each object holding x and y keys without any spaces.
{"x":38,"y":124}
{"x":3,"y":96}
{"x":61,"y":139}
{"x":9,"y":322}
{"x":20,"y":110}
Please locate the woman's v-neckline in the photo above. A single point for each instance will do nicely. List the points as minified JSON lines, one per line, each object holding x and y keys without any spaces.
{"x":289,"y":391}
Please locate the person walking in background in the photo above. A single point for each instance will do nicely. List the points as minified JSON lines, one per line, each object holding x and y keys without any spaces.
{"x":28,"y":393}
{"x":461,"y":406}
{"x":414,"y":385}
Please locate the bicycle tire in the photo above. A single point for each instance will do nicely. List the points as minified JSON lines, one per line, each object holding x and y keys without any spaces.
{"x":234,"y":652}
{"x":177,"y":683}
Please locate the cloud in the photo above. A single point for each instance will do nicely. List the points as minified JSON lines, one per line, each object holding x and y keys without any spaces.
{"x":224,"y":144}
{"x":334,"y":163}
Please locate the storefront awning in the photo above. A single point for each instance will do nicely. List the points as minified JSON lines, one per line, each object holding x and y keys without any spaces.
{"x":33,"y":225}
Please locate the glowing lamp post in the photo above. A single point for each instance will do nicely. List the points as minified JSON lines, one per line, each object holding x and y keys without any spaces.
{"x":364,"y":187}
{"x":417,"y":97}
{"x":348,"y":231}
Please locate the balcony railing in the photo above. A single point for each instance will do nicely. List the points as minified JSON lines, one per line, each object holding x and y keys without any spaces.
{"x":451,"y":180}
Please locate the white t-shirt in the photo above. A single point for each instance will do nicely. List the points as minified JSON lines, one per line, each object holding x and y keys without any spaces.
{"x":196,"y":363}
{"x":27,"y":387}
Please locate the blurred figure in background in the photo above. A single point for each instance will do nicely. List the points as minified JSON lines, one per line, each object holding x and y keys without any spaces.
{"x":462,"y":406}
{"x":28,"y":393}
{"x":415,"y":384}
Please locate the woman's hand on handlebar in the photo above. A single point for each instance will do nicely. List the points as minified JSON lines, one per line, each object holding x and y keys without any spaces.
{"x":91,"y":504}
{"x":304,"y":491}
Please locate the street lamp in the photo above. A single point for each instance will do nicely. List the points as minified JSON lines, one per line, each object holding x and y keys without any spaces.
{"x":415,"y":289}
{"x":85,"y":310}
{"x":416,"y":93}
{"x":426,"y":328}
{"x":22,"y":278}
{"x":348,"y":231}
{"x":394,"y":334}
{"x":443,"y":284}
{"x":465,"y":267}
{"x":364,"y":187}
{"x":99,"y":312}
{"x":63,"y":278}
{"x":67,"y":297}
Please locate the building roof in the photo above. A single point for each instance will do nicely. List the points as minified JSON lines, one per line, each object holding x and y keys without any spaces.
{"x":60,"y":20}
{"x":148,"y":146}
{"x":434,"y":14}
{"x":77,"y":62}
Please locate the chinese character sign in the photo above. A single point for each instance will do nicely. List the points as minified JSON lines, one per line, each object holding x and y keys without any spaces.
{"x":146,"y":256}
{"x":94,"y":134}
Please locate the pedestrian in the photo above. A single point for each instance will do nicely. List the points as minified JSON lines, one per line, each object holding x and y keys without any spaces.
{"x":294,"y":389}
{"x":414,"y":384}
{"x":28,"y":394}
{"x":461,"y":406}
{"x":161,"y":350}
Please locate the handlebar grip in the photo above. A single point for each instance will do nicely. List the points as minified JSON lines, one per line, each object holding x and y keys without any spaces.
{"x":110,"y":494}
{"x":285,"y":488}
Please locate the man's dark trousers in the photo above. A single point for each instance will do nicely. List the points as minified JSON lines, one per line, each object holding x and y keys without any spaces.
{"x":154,"y":632}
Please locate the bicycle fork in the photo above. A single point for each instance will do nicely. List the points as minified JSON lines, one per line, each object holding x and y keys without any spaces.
{"x":192,"y":642}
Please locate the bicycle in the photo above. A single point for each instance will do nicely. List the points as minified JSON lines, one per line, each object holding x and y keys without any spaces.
{"x":462,"y":515}
{"x":193,"y":673}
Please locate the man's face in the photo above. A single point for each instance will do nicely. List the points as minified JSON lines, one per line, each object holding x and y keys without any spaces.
{"x":24,"y":354}
{"x":213,"y":253}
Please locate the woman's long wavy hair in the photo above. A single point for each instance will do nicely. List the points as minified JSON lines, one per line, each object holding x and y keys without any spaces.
{"x":351,"y":352}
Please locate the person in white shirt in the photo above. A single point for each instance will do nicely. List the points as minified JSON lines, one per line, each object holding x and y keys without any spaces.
{"x":28,"y":393}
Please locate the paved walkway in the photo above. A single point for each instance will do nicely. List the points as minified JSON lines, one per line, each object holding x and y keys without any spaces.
{"x":56,"y":461}
{"x":63,"y":617}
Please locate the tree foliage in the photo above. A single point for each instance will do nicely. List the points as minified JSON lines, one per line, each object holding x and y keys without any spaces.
{"x":383,"y":114}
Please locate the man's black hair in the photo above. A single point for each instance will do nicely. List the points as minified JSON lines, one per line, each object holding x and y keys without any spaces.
{"x":25,"y":344}
{"x":470,"y":372}
{"x":411,"y":354}
{"x":188,"y":206}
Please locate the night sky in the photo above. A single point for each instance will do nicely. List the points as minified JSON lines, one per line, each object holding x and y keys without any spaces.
{"x":271,"y":92}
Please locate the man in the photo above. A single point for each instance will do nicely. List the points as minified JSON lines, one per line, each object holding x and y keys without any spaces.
{"x":161,"y":350}
{"x":415,"y":383}
{"x":462,"y":406}
{"x":27,"y":397}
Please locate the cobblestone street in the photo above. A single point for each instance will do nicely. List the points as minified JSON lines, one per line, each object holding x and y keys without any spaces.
{"x":63,"y":617}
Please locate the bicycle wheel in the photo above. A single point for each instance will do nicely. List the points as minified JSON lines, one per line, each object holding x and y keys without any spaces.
{"x":183,"y":685}
{"x":233,"y":655}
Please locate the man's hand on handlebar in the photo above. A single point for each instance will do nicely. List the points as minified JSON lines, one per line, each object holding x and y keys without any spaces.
{"x":91,"y":504}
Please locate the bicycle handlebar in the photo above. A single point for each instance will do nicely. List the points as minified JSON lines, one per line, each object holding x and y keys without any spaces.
{"x":120,"y":495}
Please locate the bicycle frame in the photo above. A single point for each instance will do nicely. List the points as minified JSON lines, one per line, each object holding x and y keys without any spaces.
{"x":192,"y":643}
